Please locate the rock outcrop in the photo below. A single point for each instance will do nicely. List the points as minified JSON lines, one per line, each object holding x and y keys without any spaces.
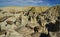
{"x":30,"y":21}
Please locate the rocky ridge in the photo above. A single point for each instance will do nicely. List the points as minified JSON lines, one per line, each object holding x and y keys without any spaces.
{"x":30,"y":21}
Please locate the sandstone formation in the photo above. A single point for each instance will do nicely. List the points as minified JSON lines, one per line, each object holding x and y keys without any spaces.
{"x":30,"y":21}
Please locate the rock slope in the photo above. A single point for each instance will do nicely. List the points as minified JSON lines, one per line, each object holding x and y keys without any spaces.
{"x":30,"y":21}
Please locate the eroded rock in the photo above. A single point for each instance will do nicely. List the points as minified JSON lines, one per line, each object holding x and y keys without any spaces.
{"x":31,"y":21}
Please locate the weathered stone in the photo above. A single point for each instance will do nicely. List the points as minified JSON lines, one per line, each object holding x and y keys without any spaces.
{"x":30,"y":21}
